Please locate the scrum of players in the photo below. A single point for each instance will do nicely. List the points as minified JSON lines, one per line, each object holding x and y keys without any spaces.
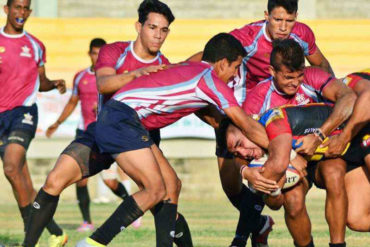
{"x":251,"y":85}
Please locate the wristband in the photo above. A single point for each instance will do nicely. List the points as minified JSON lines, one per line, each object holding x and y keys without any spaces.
{"x":319,"y":134}
{"x":276,"y":192}
{"x":293,"y":154}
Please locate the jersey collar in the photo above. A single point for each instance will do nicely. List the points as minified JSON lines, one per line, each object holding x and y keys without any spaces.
{"x":12,"y":36}
{"x":264,"y":27}
{"x":139,"y":58}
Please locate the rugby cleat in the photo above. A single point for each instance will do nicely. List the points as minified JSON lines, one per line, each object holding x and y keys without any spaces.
{"x":260,"y":238}
{"x":88,"y":242}
{"x":58,"y":241}
{"x":85,"y":227}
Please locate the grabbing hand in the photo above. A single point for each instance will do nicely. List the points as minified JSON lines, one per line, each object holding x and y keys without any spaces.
{"x":148,"y":70}
{"x":336,"y":145}
{"x":60,"y":85}
{"x":300,"y":164}
{"x":309,"y":144}
{"x":259,"y":182}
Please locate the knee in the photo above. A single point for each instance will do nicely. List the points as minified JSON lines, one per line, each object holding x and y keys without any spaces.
{"x":54,"y":183}
{"x":12,"y":168}
{"x":294,"y":206}
{"x":157,"y":193}
{"x":358,"y":221}
{"x":334,"y":180}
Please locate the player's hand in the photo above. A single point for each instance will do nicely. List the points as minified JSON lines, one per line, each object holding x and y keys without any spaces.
{"x":309,"y":144}
{"x":148,"y":70}
{"x":60,"y":85}
{"x":300,"y":164}
{"x":336,"y":145}
{"x":259,"y":182}
{"x":52,"y":128}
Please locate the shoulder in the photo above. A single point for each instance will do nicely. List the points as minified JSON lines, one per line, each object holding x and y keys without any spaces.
{"x":248,"y":31}
{"x":119,"y":46}
{"x":34,"y":39}
{"x":302,"y":30}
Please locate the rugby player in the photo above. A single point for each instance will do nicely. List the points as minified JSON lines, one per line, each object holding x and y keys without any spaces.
{"x":22,"y":75}
{"x":280,"y":23}
{"x":84,"y":90}
{"x":118,"y":63}
{"x":153,"y":102}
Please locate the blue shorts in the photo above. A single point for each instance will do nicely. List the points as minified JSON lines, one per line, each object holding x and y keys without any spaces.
{"x":79,"y":133}
{"x":119,"y":129}
{"x":18,"y":126}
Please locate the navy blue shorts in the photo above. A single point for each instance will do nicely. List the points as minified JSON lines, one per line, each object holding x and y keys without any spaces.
{"x":79,"y":133}
{"x":18,"y":126}
{"x":119,"y":129}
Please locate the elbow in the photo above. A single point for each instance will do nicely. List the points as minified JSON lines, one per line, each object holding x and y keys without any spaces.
{"x":100,"y":87}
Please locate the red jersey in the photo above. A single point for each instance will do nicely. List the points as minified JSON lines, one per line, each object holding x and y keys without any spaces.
{"x":84,"y":86}
{"x":20,"y":57}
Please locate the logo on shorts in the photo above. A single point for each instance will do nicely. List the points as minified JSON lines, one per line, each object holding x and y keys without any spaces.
{"x":365,"y":141}
{"x":178,"y":235}
{"x":122,"y":228}
{"x":258,"y":207}
{"x":27,"y":119}
{"x":144,"y":138}
{"x":2,"y":49}
{"x":25,"y":52}
{"x":36,"y":205}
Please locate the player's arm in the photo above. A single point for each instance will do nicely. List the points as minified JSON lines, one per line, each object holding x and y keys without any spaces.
{"x":250,"y":127}
{"x":47,"y":85}
{"x":109,"y":82}
{"x":197,"y":57}
{"x":360,"y":117}
{"x":318,"y":59}
{"x":344,"y":99}
{"x":210,"y":115}
{"x":68,"y":109}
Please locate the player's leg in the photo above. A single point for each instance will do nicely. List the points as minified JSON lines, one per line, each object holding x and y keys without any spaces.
{"x":83,"y":198}
{"x":296,"y":216}
{"x":142,"y":167}
{"x":336,"y":206}
{"x":110,"y":180}
{"x":358,"y":191}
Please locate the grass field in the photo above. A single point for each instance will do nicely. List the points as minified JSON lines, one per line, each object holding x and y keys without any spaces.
{"x":212,"y":222}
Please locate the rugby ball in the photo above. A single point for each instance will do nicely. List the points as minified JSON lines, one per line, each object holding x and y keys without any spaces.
{"x":291,"y":174}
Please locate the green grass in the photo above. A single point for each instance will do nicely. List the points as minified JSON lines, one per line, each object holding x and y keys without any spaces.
{"x":212,"y":222}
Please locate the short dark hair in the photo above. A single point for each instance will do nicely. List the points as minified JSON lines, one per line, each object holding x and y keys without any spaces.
{"x":287,"y":52}
{"x":291,"y":6}
{"x":9,"y":2}
{"x":150,"y":6}
{"x":97,"y":42}
{"x":223,"y":45}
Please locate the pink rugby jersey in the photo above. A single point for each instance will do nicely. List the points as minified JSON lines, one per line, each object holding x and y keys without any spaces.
{"x":121,"y":57}
{"x":84,"y":86}
{"x":258,"y":46}
{"x":265,"y":95}
{"x":20,"y":57}
{"x":164,"y":97}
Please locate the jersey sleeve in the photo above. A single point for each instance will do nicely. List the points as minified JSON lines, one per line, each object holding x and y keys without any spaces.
{"x":42,"y":54}
{"x":108,"y":56}
{"x":276,"y":123}
{"x":165,"y":60}
{"x":317,"y":78}
{"x":309,"y":37}
{"x":305,"y":37}
{"x":211,"y":89}
{"x":76,"y":80}
{"x":253,"y":102}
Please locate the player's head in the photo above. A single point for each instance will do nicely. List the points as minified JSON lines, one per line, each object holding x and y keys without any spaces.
{"x":226,"y":53}
{"x":94,"y":49}
{"x":155,"y":18}
{"x":287,"y":65}
{"x":281,"y":16}
{"x":17,"y":12}
{"x":238,"y":144}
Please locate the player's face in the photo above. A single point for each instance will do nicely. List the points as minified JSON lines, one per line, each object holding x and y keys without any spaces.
{"x":94,"y":55}
{"x":286,"y":81}
{"x":227,"y":71}
{"x":17,"y":14}
{"x":280,"y":23}
{"x":240,"y":145}
{"x":153,"y":32}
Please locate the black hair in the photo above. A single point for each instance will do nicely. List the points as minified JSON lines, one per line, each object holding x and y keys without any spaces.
{"x":150,"y":6}
{"x":9,"y":2}
{"x":97,"y":42}
{"x":223,"y":45}
{"x":287,"y":52}
{"x":291,"y":6}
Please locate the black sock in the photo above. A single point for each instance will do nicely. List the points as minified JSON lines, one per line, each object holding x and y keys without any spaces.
{"x":250,"y":214}
{"x":42,"y":211}
{"x":121,"y":191}
{"x":338,"y":245}
{"x":84,"y":202}
{"x":236,"y":199}
{"x":311,"y":244}
{"x":165,"y":221}
{"x":126,"y":213}
{"x":182,"y":233}
{"x":53,"y":228}
{"x":25,"y":212}
{"x":239,"y":241}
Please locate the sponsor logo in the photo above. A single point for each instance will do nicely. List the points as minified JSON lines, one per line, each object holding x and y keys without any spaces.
{"x":36,"y":205}
{"x":365,"y":141}
{"x":27,"y":119}
{"x":145,"y":138}
{"x":25,"y":52}
{"x":301,"y":99}
{"x":258,"y":207}
{"x":85,"y":82}
{"x":309,"y":131}
{"x":174,"y":235}
{"x":2,"y":49}
{"x":15,"y":138}
{"x":122,"y":228}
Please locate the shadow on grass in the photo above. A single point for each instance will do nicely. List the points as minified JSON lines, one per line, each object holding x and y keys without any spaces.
{"x":10,"y":240}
